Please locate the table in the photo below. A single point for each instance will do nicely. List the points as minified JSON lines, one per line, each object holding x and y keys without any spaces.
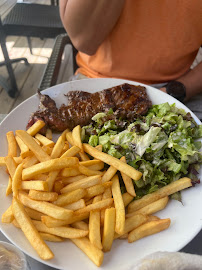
{"x":194,"y":247}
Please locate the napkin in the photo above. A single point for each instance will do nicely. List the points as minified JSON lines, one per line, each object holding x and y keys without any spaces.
{"x":169,"y":261}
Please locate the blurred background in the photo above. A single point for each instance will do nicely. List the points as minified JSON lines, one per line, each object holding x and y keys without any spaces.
{"x":28,"y":77}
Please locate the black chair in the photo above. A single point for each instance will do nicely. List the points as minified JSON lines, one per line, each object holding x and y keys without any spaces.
{"x":29,"y":20}
{"x":50,"y":75}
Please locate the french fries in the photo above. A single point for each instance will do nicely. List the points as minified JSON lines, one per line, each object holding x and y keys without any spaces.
{"x":43,"y":140}
{"x":76,"y":135}
{"x":65,"y":232}
{"x":128,"y":181}
{"x":60,"y":190}
{"x":94,"y":225}
{"x":36,"y":127}
{"x":47,"y":166}
{"x":83,"y":183}
{"x":24,"y":150}
{"x":151,"y":208}
{"x":43,"y":196}
{"x":70,"y":197}
{"x":119,"y":206}
{"x":40,"y":154}
{"x":94,"y":253}
{"x":30,"y":231}
{"x":12,"y":144}
{"x":148,"y":228}
{"x":109,"y":228}
{"x":162,"y":192}
{"x":46,"y":208}
{"x":119,"y":165}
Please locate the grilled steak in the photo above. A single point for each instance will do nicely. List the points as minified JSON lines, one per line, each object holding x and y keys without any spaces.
{"x":125,"y":100}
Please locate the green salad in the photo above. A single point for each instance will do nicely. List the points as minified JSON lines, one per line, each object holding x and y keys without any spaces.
{"x":164,"y":144}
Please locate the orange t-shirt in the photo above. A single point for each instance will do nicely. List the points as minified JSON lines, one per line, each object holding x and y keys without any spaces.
{"x":153,"y":41}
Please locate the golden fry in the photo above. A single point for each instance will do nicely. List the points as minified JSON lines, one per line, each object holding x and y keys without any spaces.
{"x":33,"y":214}
{"x":94,"y":191}
{"x":76,"y":205}
{"x":30,"y":231}
{"x":51,"y":179}
{"x":50,"y":237}
{"x":109,"y":174}
{"x":95,"y":254}
{"x":88,"y":172}
{"x":95,"y":206}
{"x":7,"y":216}
{"x":76,"y":135}
{"x":53,"y":222}
{"x":152,"y":207}
{"x":65,"y":232}
{"x":132,"y":223}
{"x":11,"y":165}
{"x":73,"y":179}
{"x":109,"y":229}
{"x":43,"y":195}
{"x":24,"y":150}
{"x":9,"y":187}
{"x":44,"y":141}
{"x":30,"y":161}
{"x":73,"y":171}
{"x":83,"y":156}
{"x":46,"y":208}
{"x":148,"y":228}
{"x":58,"y":186}
{"x":119,"y":165}
{"x":36,"y":127}
{"x":70,"y":197}
{"x":40,"y":154}
{"x":83,"y":183}
{"x":80,"y":225}
{"x":162,"y":192}
{"x":49,"y":134}
{"x":70,"y":138}
{"x":119,"y":205}
{"x":106,"y":195}
{"x":2,"y":161}
{"x":17,"y":179}
{"x":128,"y":181}
{"x":36,"y":185}
{"x":127,"y":198}
{"x":94,"y":226}
{"x":12,"y":144}
{"x":57,"y":149}
{"x":47,"y":166}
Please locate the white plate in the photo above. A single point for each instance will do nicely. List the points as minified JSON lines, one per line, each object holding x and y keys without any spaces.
{"x":186,"y":220}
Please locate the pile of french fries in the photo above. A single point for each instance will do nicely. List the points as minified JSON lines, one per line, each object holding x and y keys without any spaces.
{"x":61,"y":191}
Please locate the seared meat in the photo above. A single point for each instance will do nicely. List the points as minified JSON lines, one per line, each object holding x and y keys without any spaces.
{"x":125,"y":100}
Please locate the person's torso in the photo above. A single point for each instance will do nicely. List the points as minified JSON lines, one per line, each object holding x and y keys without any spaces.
{"x":153,"y":41}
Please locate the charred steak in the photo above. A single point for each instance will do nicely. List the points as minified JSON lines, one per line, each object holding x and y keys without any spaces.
{"x":124,"y":99}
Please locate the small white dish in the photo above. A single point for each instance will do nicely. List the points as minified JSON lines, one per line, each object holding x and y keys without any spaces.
{"x":20,"y":262}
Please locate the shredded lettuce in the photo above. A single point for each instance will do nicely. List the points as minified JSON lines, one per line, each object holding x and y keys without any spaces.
{"x":164,"y":144}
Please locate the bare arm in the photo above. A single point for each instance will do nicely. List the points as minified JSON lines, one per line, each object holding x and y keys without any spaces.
{"x":88,"y":22}
{"x":192,"y":80}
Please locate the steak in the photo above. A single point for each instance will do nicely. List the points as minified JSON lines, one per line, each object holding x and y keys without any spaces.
{"x":125,"y":100}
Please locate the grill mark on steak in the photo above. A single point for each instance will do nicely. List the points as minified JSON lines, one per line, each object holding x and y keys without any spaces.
{"x":81,"y":106}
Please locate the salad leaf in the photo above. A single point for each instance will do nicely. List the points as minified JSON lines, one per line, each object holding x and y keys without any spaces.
{"x":164,"y":144}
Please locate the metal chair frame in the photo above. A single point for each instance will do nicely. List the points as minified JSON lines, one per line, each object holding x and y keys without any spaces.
{"x":29,"y":20}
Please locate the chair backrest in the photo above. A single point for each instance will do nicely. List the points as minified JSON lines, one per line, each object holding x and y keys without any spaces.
{"x":52,"y":69}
